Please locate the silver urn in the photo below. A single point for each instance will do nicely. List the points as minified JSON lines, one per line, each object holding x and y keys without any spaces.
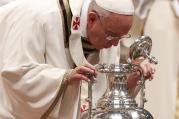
{"x":117,"y":103}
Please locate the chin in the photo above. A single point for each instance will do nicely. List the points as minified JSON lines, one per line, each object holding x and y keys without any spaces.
{"x":109,"y":46}
{"x":106,"y":47}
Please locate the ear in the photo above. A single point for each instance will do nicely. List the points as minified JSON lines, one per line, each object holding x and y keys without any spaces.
{"x":92,"y":18}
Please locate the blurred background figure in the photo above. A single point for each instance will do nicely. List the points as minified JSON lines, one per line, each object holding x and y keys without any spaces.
{"x":175,"y":8}
{"x":159,"y":20}
{"x":3,"y":2}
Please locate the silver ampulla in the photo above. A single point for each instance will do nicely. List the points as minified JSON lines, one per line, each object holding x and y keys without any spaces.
{"x":117,"y":103}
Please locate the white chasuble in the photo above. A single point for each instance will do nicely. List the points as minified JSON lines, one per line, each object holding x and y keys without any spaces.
{"x":33,"y":60}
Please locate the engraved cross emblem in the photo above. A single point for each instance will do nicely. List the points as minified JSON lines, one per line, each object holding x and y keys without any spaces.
{"x":76,"y":23}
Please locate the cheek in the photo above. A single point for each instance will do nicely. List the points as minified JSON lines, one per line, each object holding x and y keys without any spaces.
{"x":98,"y":37}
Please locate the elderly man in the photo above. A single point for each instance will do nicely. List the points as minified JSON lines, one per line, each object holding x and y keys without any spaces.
{"x":38,"y":78}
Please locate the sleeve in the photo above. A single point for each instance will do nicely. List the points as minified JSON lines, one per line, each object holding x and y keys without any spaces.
{"x":27,"y":79}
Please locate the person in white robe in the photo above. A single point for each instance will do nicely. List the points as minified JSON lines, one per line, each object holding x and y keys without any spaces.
{"x":159,"y":20}
{"x":162,"y":26}
{"x":38,"y":79}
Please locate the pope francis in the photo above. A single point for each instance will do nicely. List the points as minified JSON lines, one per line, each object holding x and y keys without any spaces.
{"x":37,"y":53}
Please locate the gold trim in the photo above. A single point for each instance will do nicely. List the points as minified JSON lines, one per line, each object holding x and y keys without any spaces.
{"x":63,"y":87}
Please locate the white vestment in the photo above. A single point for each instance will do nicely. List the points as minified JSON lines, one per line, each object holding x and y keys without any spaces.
{"x":162,"y":26}
{"x":33,"y":60}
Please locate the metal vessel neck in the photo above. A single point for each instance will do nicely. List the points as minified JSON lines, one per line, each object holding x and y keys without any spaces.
{"x":117,"y":83}
{"x":116,"y":96}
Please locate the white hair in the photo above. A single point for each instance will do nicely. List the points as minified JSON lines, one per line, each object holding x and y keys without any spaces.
{"x":94,"y":7}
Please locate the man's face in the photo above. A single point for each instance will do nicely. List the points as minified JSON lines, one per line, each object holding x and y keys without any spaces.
{"x":103,"y":32}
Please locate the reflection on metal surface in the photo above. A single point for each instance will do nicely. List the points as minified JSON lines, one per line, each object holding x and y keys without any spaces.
{"x":142,"y":48}
{"x":116,"y":103}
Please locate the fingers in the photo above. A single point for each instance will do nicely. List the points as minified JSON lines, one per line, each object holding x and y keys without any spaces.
{"x":84,"y":72}
{"x":138,"y":61}
{"x":79,"y":77}
{"x":148,"y":70}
